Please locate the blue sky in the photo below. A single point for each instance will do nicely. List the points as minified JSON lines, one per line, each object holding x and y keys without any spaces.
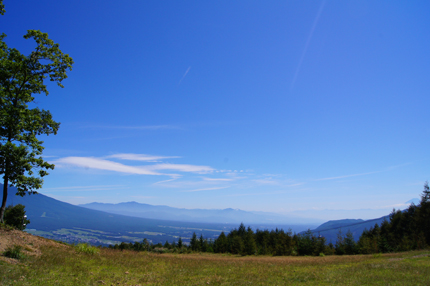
{"x":295,"y":107}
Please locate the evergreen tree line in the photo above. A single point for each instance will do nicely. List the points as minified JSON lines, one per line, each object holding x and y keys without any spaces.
{"x":405,"y":230}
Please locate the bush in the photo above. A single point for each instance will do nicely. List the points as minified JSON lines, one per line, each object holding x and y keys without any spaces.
{"x":14,"y":216}
{"x":14,"y":252}
{"x":86,"y":248}
{"x":6,"y":227}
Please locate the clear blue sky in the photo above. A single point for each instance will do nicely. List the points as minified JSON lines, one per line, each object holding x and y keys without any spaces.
{"x":277,"y":106}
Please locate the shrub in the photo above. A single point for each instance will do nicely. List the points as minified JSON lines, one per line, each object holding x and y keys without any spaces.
{"x":14,"y":216}
{"x":6,"y":227}
{"x":14,"y":252}
{"x":86,"y":248}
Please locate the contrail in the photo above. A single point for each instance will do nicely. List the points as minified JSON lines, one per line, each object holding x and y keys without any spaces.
{"x":185,"y":74}
{"x":307,"y":44}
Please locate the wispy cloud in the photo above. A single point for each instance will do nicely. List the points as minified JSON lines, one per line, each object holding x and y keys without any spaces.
{"x":266,"y":182}
{"x":368,"y":173}
{"x":143,"y":197}
{"x":84,"y":188}
{"x":101,"y":164}
{"x":257,"y":194}
{"x":307,"y":44}
{"x":217,"y":180}
{"x":400,"y":165}
{"x":206,"y":189}
{"x":140,"y":157}
{"x":347,"y":176}
{"x":182,"y":168}
{"x":165,"y":181}
{"x":185,"y":74}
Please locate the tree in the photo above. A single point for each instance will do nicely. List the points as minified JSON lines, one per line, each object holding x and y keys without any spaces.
{"x":20,"y":77}
{"x":340,"y":243}
{"x":236,"y":245}
{"x":250,"y":247}
{"x":194,"y":243}
{"x":15,"y":216}
{"x":221,"y":243}
{"x":425,"y":196}
{"x":203,"y":243}
{"x":349,"y":244}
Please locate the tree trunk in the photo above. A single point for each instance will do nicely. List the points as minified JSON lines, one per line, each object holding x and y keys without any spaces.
{"x":3,"y":205}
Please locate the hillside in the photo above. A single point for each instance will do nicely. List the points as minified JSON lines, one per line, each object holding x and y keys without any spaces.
{"x":330,"y":229}
{"x":51,"y":263}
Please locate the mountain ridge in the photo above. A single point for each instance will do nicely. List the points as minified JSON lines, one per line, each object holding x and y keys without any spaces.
{"x":227,"y":215}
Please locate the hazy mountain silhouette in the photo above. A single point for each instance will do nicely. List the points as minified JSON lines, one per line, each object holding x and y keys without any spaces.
{"x":228,"y":215}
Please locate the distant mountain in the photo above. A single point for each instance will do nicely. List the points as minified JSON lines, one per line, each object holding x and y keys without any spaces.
{"x":62,"y":221}
{"x":229,"y":215}
{"x":329,"y":230}
{"x":337,"y":224}
{"x":414,"y":201}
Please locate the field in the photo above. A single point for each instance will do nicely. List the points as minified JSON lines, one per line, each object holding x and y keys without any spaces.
{"x":51,"y":263}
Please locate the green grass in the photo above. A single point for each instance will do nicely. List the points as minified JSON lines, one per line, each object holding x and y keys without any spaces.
{"x":86,"y":248}
{"x":14,"y":252}
{"x":58,"y":266}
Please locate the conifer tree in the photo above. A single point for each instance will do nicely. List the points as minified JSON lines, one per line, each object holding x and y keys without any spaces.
{"x":250,"y":246}
{"x":194,"y":243}
{"x":220,"y":243}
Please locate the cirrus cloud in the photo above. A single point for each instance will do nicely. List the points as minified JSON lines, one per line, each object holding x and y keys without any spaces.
{"x":102,"y":164}
{"x":140,"y":157}
{"x":155,"y":169}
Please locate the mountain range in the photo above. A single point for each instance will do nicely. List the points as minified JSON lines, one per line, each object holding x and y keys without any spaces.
{"x":104,"y":224}
{"x":228,"y":215}
{"x":58,"y":220}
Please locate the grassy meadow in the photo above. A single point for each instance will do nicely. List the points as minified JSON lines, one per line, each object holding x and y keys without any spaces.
{"x":70,"y":266}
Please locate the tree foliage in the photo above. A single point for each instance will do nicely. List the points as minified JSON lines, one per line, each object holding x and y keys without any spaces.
{"x":21,"y":76}
{"x":2,"y":10}
{"x":15,"y":216}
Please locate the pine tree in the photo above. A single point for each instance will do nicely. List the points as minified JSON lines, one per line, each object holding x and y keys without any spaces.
{"x":220,"y":243}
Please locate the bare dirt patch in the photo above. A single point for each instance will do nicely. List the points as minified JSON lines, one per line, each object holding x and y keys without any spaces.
{"x":30,"y":244}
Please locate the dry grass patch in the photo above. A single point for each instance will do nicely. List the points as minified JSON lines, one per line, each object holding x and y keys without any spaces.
{"x":30,"y":244}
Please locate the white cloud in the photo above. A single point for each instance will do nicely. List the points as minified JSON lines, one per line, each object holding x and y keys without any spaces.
{"x":84,"y":188}
{"x":347,"y":176}
{"x":266,"y":182}
{"x":140,"y":157}
{"x":368,"y":173}
{"x":182,"y":168}
{"x":205,"y":189}
{"x":257,"y":194}
{"x":143,"y":197}
{"x":101,"y":164}
{"x":185,"y":74}
{"x":217,"y":180}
